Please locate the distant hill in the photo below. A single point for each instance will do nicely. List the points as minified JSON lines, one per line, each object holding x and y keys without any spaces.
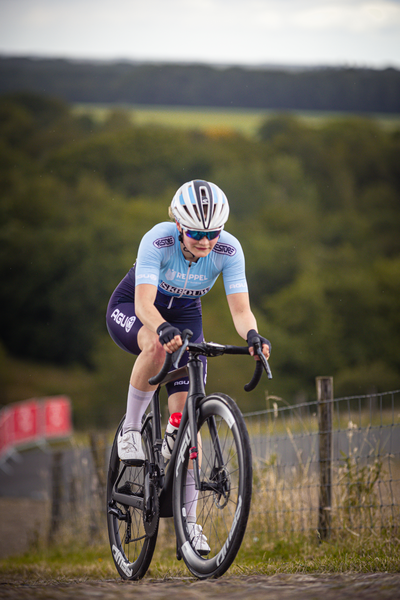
{"x":324,"y":89}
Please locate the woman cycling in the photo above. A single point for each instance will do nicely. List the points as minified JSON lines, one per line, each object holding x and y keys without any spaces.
{"x":177,"y":263}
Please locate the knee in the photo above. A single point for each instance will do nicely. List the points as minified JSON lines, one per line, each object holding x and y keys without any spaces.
{"x":153,"y":349}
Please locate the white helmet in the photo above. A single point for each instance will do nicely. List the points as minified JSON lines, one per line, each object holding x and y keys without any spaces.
{"x":200,"y":205}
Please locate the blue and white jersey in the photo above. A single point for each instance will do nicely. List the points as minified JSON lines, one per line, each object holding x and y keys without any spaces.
{"x":160,"y":262}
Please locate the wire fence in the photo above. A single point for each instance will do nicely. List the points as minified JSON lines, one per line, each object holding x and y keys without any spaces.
{"x":321,"y":468}
{"x":326,"y":476}
{"x":324,"y":468}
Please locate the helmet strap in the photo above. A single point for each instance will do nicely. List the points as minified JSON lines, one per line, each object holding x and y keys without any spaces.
{"x":180,"y":236}
{"x":188,"y":252}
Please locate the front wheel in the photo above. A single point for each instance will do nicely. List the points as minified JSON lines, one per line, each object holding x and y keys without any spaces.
{"x":223,"y":502}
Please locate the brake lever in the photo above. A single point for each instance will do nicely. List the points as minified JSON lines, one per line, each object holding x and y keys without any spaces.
{"x":177,"y":355}
{"x":261,"y":365}
{"x":264,"y":362}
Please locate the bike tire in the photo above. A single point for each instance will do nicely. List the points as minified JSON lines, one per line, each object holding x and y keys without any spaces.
{"x":132,"y":558}
{"x":223,"y":508}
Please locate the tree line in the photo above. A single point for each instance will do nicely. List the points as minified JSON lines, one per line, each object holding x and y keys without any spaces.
{"x":316,"y":210}
{"x":333,"y":89}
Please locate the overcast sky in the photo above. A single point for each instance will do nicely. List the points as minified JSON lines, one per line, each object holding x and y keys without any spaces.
{"x":295,"y":32}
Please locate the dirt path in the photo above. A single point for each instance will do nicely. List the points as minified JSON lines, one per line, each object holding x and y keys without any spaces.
{"x":376,"y":586}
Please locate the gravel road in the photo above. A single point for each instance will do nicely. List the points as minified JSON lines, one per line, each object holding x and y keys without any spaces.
{"x":376,"y":586}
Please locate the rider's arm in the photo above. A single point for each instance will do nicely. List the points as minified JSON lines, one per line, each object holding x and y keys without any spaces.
{"x":243,"y":318}
{"x":145,"y":295}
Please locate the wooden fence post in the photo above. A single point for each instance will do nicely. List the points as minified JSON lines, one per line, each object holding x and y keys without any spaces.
{"x":56,"y":495}
{"x":325,"y":418}
{"x":98,"y":444}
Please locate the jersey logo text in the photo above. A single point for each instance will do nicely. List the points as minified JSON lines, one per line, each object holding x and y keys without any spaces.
{"x":164,"y":242}
{"x":237,"y":285}
{"x":227,"y":249}
{"x":171,"y":274}
{"x":145,"y":276}
{"x":182,"y":291}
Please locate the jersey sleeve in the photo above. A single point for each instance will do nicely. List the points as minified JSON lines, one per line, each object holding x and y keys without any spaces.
{"x":233,"y":273}
{"x":148,"y":262}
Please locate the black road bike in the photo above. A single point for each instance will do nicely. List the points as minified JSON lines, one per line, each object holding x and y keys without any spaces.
{"x":212,"y":441}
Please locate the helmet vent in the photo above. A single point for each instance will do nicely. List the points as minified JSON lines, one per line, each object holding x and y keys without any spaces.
{"x":205,"y":199}
{"x":204,"y":202}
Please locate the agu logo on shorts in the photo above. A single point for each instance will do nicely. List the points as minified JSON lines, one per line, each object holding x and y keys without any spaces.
{"x":123,"y":320}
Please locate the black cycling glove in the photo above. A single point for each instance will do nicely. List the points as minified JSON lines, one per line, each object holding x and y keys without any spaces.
{"x":166,"y":333}
{"x":253,"y":336}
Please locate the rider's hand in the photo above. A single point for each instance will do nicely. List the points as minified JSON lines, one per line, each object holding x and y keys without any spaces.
{"x":169,"y":337}
{"x":252,"y":337}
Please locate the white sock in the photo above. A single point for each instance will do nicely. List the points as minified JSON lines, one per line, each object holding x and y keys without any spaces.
{"x":136,"y":407}
{"x":191,"y":496}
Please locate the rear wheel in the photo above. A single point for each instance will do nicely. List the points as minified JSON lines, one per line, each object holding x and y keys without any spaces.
{"x":226,"y":480}
{"x":132,"y":530}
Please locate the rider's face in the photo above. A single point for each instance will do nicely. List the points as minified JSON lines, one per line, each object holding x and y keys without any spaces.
{"x":199,"y":248}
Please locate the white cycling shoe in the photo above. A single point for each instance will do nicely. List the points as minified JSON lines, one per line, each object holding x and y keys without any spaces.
{"x":130,"y":446}
{"x":198,"y":539}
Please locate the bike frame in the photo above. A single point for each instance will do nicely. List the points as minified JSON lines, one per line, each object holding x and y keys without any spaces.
{"x":195,"y":371}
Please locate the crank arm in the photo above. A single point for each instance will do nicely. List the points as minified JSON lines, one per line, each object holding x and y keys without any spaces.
{"x":128,"y":500}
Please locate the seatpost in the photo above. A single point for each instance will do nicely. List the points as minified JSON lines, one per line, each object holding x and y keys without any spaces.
{"x":196,"y":391}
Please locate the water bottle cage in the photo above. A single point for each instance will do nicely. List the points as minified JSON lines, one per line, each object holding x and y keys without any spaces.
{"x":170,"y":435}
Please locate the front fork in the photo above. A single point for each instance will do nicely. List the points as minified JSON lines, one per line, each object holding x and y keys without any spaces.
{"x":195,"y":393}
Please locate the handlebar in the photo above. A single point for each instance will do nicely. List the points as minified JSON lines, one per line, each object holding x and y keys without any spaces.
{"x":164,"y":370}
{"x":172,"y":359}
{"x":261,"y":365}
{"x":211,"y":349}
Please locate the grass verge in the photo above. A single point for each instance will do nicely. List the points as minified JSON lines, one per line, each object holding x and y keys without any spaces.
{"x":301,"y":555}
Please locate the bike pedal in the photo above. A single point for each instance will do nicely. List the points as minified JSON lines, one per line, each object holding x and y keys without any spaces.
{"x":116,"y":512}
{"x":134,"y":462}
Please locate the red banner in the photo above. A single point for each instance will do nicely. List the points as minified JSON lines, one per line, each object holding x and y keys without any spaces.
{"x":57,"y":417}
{"x":36,"y":420}
{"x":25,"y":422}
{"x":6,"y":428}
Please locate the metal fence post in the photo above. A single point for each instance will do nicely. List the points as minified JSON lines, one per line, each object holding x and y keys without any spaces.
{"x":325,"y":414}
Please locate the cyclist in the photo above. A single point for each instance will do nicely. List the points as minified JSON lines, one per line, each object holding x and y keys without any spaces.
{"x":177,"y":263}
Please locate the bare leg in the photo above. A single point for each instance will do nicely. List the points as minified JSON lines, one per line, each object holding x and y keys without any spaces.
{"x":147,"y":364}
{"x":176,"y":402}
{"x":149,"y":361}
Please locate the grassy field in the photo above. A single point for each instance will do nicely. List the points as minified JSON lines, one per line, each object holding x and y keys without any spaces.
{"x":215,"y":121}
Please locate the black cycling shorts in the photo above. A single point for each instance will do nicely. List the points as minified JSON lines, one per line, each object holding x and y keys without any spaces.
{"x":123,"y":325}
